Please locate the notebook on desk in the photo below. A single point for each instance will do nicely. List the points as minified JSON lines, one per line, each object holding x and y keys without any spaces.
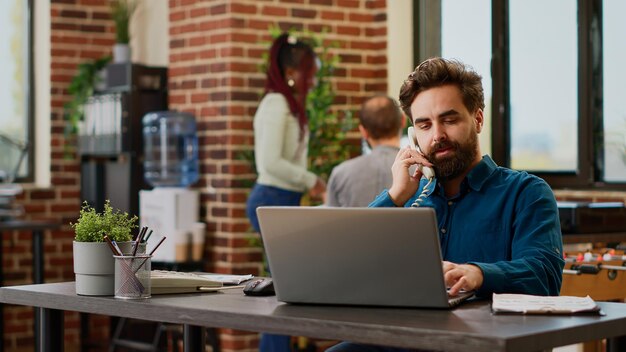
{"x":355,"y":256}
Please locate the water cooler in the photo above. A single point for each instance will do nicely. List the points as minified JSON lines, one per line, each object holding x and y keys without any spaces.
{"x":171,"y":165}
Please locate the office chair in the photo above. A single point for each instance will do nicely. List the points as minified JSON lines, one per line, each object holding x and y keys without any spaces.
{"x":13,"y":153}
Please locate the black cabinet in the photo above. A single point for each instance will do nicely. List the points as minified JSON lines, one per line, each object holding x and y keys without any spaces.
{"x":110,"y":142}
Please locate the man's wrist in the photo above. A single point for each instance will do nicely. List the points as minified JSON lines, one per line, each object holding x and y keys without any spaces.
{"x":478,"y":273}
{"x":394,"y":196}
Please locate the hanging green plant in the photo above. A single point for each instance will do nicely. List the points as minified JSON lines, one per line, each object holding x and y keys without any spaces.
{"x":81,"y":87}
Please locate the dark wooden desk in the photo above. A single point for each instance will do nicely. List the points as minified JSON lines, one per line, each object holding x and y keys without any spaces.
{"x":471,"y":327}
{"x":37,"y":229}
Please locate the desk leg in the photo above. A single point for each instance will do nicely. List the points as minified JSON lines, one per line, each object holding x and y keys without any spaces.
{"x":37,"y":274}
{"x":193,"y":338}
{"x":38,"y":256}
{"x":50,"y":331}
{"x":616,"y":344}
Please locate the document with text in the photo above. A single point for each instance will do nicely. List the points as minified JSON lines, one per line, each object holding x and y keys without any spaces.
{"x":530,"y":304}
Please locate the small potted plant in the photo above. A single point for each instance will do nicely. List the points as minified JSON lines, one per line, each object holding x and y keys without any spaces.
{"x":121,"y":13}
{"x":93,"y":259}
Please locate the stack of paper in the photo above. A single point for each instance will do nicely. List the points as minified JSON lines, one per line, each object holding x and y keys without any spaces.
{"x":226,"y":279}
{"x":529,"y":304}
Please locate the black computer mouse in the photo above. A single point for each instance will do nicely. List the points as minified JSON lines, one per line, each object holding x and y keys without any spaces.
{"x":259,"y":287}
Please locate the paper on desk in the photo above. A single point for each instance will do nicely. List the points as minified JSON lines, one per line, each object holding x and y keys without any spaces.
{"x":226,"y":279}
{"x":530,"y":304}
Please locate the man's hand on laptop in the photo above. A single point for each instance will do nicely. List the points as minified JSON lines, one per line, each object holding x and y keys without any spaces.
{"x":459,"y":277}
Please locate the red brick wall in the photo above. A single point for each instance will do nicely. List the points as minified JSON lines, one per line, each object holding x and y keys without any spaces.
{"x":80,"y":30}
{"x":215,"y":50}
{"x":215,"y":47}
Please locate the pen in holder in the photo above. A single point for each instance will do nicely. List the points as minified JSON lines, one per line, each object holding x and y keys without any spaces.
{"x":132,"y":276}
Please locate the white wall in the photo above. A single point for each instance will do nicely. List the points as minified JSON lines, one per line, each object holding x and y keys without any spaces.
{"x":399,"y":44}
{"x":41,"y":53}
{"x":150,"y":33}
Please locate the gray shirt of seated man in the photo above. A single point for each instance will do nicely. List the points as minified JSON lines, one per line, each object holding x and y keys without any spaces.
{"x":356,"y":182}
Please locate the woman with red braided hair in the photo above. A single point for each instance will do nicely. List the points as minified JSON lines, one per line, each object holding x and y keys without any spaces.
{"x":281,"y":140}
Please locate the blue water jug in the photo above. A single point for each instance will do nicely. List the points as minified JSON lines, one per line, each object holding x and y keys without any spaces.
{"x":170,"y":149}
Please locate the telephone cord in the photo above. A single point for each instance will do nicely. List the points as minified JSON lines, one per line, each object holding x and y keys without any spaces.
{"x":422,"y":197}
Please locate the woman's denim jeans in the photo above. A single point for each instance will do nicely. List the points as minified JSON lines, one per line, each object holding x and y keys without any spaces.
{"x":268,"y":195}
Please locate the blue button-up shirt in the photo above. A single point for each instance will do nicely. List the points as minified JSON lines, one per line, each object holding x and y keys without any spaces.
{"x":504,"y":221}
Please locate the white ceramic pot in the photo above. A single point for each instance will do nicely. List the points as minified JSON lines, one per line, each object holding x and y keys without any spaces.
{"x":121,"y":53}
{"x":94,"y":267}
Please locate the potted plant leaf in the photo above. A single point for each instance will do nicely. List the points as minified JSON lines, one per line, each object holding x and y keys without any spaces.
{"x":93,"y":259}
{"x":121,"y":13}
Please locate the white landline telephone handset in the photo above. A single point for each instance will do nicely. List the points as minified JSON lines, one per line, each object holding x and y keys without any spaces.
{"x":428,"y":172}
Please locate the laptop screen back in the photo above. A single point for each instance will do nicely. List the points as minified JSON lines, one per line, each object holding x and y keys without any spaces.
{"x":355,"y":256}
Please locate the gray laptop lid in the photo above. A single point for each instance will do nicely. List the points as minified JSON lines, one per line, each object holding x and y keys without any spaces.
{"x":356,"y":256}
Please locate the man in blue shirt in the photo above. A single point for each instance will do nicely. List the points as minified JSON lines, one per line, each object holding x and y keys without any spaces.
{"x":499,"y":228}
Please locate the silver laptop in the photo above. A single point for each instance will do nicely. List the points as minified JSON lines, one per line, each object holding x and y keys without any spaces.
{"x":355,"y":256}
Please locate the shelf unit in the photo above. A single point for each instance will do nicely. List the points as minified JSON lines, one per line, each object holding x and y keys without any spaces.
{"x":111,"y":157}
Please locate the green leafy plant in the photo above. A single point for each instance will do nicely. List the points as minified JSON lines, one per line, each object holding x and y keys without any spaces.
{"x":121,"y":13}
{"x":81,"y":87}
{"x":328,"y":128}
{"x":92,"y":226}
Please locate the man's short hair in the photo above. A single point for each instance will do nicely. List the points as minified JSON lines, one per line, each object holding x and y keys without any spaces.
{"x":381,"y":117}
{"x":436,"y":72}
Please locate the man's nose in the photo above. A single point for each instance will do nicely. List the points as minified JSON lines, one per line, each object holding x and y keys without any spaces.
{"x":439,"y":133}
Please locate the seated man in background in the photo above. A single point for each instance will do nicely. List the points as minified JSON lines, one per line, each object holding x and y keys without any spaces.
{"x":356,"y":182}
{"x":499,"y":229}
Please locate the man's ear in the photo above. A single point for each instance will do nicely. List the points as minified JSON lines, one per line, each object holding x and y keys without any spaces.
{"x":479,"y":119}
{"x":364,"y":132}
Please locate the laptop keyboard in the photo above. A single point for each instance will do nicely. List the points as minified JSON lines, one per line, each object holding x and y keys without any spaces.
{"x":454,"y":301}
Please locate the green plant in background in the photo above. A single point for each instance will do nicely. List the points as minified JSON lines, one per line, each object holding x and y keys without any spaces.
{"x":121,"y":13}
{"x":247,"y":156}
{"x":81,"y":87}
{"x":92,"y":226}
{"x":328,"y":128}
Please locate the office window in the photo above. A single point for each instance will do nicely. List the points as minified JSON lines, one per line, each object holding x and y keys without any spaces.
{"x":16,"y":122}
{"x":470,"y":44}
{"x":543,"y":84}
{"x":556,"y":76}
{"x":614,"y":52}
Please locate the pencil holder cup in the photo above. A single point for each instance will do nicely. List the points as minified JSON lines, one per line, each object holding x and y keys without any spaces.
{"x":132,"y":276}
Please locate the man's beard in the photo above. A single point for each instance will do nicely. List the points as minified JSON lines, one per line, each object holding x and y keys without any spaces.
{"x":449,"y":167}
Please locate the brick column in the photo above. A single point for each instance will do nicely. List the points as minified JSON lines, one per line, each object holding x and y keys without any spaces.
{"x":215,"y":50}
